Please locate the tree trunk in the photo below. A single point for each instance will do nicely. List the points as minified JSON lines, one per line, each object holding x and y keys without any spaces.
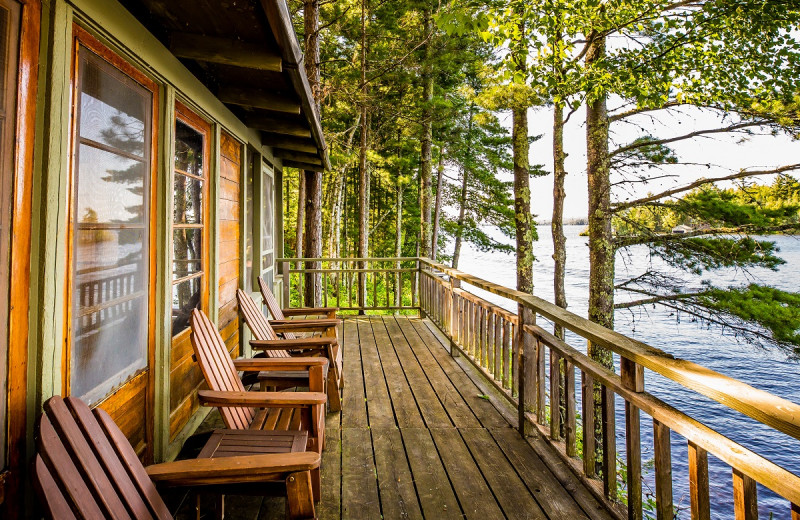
{"x":461,"y":216}
{"x":438,"y":211}
{"x":363,"y":173}
{"x":301,"y":215}
{"x":522,"y":200}
{"x":557,"y":226}
{"x":426,"y":170}
{"x":313,"y":180}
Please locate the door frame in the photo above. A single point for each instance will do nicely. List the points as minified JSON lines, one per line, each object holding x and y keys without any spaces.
{"x":20,"y":255}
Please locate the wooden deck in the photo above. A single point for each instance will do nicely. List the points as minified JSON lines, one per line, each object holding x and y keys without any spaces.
{"x":419,"y":438}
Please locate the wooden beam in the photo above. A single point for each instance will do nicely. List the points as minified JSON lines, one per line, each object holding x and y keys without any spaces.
{"x":303,"y":166}
{"x":256,"y":98}
{"x":278,"y":126}
{"x":298,"y":156}
{"x":226,"y":51}
{"x":289,"y":143}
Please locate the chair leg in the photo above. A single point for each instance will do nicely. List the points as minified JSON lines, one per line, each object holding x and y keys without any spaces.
{"x":299,"y":496}
{"x":316,"y":484}
{"x":334,"y":399}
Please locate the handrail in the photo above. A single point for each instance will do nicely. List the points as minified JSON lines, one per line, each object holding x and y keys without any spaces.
{"x":774,"y":411}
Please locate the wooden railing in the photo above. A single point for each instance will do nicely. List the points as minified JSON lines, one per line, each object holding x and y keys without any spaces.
{"x":354,"y":284}
{"x":540,"y":374}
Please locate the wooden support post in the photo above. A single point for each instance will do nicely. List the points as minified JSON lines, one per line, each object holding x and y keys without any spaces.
{"x":455,"y":321}
{"x":541,"y":383}
{"x":745,"y":498}
{"x":506,"y":354}
{"x":609,"y":443}
{"x":698,"y":483}
{"x":662,"y":451}
{"x":632,"y":376}
{"x":498,"y":346}
{"x":555,"y":395}
{"x":587,"y":414}
{"x":795,"y":511}
{"x":287,"y":283}
{"x":569,"y":425}
{"x":527,"y":369}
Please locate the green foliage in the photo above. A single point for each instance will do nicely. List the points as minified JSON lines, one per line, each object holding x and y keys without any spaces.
{"x":775,"y":310}
{"x":699,"y":254}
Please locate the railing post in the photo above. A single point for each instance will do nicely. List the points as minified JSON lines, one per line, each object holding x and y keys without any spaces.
{"x":417,"y":276}
{"x":454,"y":321}
{"x":287,"y":282}
{"x":527,"y":367}
{"x":632,"y":375}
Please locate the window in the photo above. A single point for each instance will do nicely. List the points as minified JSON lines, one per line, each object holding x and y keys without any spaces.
{"x":189,"y":254}
{"x":249,"y":220}
{"x":110,"y":224}
{"x":267,"y":223}
{"x":9,"y":40}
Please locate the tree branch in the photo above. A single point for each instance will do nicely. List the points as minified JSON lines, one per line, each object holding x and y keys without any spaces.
{"x":674,"y":237}
{"x":698,"y":133}
{"x":700,"y":182}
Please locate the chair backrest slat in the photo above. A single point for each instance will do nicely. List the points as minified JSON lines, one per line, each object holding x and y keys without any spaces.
{"x":128,"y":459}
{"x":257,"y":323}
{"x":55,"y":503}
{"x":272,"y":305}
{"x":69,"y":476}
{"x":218,"y":370}
{"x":142,"y":502}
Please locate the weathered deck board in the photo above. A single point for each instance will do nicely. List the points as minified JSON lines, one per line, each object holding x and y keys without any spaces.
{"x":417,"y":438}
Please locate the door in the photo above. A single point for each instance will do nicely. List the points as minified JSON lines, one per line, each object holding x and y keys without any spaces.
{"x":110,"y":336}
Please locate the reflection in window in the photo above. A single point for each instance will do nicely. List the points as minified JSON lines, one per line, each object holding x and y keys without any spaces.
{"x":188,"y":218}
{"x":267,"y":221}
{"x":110,"y":268}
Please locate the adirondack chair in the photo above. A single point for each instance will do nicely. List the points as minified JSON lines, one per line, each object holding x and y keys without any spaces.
{"x":266,"y":338}
{"x":86,"y":468}
{"x":241,"y":409}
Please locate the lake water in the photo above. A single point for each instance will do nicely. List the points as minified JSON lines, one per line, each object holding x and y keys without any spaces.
{"x":685,"y":338}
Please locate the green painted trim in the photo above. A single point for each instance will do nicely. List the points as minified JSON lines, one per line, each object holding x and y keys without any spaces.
{"x":49,"y":208}
{"x":258,"y":208}
{"x":112,"y":22}
{"x":163,"y":310}
{"x":188,"y":430}
{"x":213,"y":241}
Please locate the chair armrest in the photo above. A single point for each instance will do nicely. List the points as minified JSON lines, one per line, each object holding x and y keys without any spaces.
{"x":278,"y":364}
{"x":311,"y":311}
{"x":227,"y":470}
{"x":261,"y":399}
{"x":303,"y":325}
{"x":293,"y":344}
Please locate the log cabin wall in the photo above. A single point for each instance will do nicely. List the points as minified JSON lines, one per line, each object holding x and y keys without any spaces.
{"x":230,"y":231}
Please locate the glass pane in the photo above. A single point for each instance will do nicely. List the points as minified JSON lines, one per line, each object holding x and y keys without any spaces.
{"x":114,"y":109}
{"x":109,"y":331}
{"x":187,"y":200}
{"x":188,"y":149}
{"x":110,"y":291}
{"x":266,"y":261}
{"x":267,"y":228}
{"x":187,"y":252}
{"x":110,"y":187}
{"x":185,"y":298}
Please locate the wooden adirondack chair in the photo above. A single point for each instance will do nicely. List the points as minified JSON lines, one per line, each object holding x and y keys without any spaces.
{"x":266,"y":339}
{"x":280,"y":315}
{"x":86,"y":468}
{"x":241,"y":409}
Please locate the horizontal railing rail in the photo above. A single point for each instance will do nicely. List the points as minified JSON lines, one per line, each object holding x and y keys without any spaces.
{"x":539,"y":373}
{"x":354,"y":284}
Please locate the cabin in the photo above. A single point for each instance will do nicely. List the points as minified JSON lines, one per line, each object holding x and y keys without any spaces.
{"x":682,"y":229}
{"x":143,"y":147}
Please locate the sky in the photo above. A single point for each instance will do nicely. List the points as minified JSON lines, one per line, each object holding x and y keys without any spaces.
{"x":728,"y":154}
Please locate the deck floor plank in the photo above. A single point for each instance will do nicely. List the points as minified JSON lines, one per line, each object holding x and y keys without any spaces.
{"x":379,"y":405}
{"x":436,"y":496}
{"x":395,"y":483}
{"x":354,"y":406}
{"x":359,"y":480}
{"x":405,"y":407}
{"x":432,"y":410}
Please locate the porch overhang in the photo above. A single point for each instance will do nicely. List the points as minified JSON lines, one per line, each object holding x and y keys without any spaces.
{"x":248,"y":55}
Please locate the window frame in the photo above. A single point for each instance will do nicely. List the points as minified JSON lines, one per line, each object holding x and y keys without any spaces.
{"x":267,"y":169}
{"x":82,"y":37}
{"x":190,"y":118}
